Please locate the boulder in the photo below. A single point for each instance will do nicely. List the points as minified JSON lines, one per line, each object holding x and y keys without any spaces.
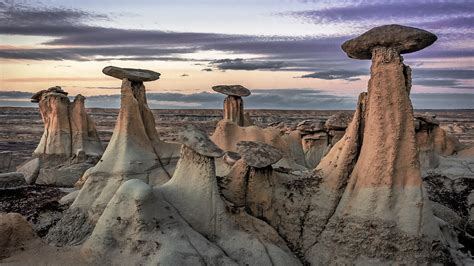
{"x":11,"y":180}
{"x":5,"y":161}
{"x":17,"y":234}
{"x":30,"y":170}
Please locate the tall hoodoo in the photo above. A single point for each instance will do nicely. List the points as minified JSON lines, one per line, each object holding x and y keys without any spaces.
{"x":135,"y":151}
{"x":233,"y":104}
{"x":70,"y":143}
{"x":384,"y":194}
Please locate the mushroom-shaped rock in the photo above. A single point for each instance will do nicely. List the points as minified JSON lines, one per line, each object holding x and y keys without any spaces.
{"x":199,"y":142}
{"x":402,"y":38}
{"x":338,"y":121}
{"x":258,"y":154}
{"x":233,"y":104}
{"x":132,"y":74}
{"x":232,"y":90}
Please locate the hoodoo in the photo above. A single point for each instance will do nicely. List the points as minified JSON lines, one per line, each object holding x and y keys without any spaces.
{"x":135,"y":151}
{"x":193,"y":191}
{"x":233,"y":103}
{"x":70,"y":143}
{"x":384,"y":214}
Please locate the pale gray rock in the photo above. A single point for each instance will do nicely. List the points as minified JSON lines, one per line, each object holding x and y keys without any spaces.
{"x":11,"y":180}
{"x":199,"y":142}
{"x":69,"y":198}
{"x":258,"y":154}
{"x":402,"y":38}
{"x":30,"y":170}
{"x":5,"y":161}
{"x":132,"y":74}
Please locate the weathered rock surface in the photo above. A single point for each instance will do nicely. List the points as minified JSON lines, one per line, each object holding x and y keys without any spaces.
{"x":401,"y":39}
{"x":199,"y":142}
{"x":30,"y":170}
{"x":135,"y":151}
{"x":258,"y":154}
{"x":69,"y":145}
{"x":6,"y":161}
{"x":243,"y":238}
{"x":12,"y":179}
{"x":132,"y":74}
{"x":384,"y":202}
{"x":232,"y":90}
{"x":233,"y":103}
{"x":338,"y":121}
{"x":16,"y":234}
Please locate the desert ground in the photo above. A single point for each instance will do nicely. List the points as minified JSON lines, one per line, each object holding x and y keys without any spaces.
{"x":21,"y":128}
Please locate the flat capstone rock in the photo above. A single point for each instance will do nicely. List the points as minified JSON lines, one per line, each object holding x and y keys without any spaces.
{"x":258,"y":154}
{"x":404,"y":39}
{"x":132,"y":74}
{"x":199,"y":142}
{"x":232,"y":90}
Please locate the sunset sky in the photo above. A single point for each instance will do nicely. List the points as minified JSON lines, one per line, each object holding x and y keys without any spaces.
{"x":287,"y":52}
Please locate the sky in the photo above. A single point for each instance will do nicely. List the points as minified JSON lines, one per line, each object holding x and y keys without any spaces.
{"x":287,"y":52}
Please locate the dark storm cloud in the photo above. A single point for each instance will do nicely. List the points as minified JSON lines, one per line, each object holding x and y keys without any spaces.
{"x":402,"y":10}
{"x":242,"y":64}
{"x":349,"y":75}
{"x":88,"y":53}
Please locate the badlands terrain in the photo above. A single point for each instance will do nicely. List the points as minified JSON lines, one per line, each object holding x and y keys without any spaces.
{"x":21,"y":128}
{"x":382,"y":184}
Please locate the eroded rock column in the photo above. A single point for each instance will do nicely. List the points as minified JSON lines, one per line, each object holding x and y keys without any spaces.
{"x":233,"y":104}
{"x":384,"y":208}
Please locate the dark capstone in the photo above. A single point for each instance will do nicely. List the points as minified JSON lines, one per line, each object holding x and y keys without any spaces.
{"x":132,"y":74}
{"x":402,"y":38}
{"x":232,"y":90}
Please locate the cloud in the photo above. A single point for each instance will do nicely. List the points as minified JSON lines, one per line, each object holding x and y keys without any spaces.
{"x":184,"y":75}
{"x":349,"y":75}
{"x":405,"y":11}
{"x":445,"y":78}
{"x":207,"y":69}
{"x":242,"y":64}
